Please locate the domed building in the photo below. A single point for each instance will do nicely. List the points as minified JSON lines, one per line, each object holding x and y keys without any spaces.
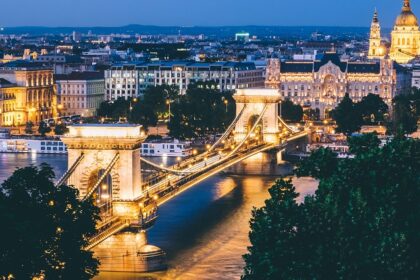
{"x":405,"y":37}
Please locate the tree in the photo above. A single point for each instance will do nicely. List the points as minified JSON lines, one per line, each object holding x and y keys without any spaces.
{"x":43,"y":128}
{"x":29,"y":127}
{"x":155,"y":105}
{"x":372,"y":109}
{"x":362,"y":223}
{"x":291,"y":112}
{"x":115,"y":109}
{"x":275,"y":223}
{"x":405,"y":114}
{"x":45,"y":228}
{"x":60,"y":129}
{"x":203,"y":110}
{"x":363,"y":144}
{"x":346,"y":116}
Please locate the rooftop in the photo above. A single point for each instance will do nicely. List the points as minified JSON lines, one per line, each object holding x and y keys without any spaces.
{"x":345,"y":67}
{"x":186,"y":64}
{"x":79,"y":76}
{"x":105,"y":131}
{"x":23,"y":65}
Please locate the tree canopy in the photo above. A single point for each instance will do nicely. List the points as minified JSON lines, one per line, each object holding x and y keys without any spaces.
{"x":44,"y":228}
{"x":372,"y":109}
{"x":201,"y":111}
{"x":406,"y":112}
{"x":291,"y":112}
{"x":347,"y":116}
{"x":362,"y":223}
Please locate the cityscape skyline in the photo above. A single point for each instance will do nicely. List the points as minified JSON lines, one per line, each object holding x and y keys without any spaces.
{"x":357,"y":13}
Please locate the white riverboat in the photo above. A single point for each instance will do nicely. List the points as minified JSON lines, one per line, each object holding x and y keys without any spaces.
{"x":166,"y":148}
{"x":30,"y":144}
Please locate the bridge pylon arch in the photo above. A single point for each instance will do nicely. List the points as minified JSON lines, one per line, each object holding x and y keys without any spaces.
{"x":104,"y":162}
{"x":251,"y":102}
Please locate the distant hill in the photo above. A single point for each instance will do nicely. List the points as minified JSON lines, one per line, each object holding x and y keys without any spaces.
{"x":217,"y":31}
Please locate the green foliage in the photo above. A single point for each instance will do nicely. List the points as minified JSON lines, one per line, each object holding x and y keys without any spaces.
{"x":115,"y":110}
{"x":347,"y":116}
{"x":360,"y":145}
{"x":291,"y":112}
{"x":44,"y":228}
{"x":43,"y":128}
{"x":146,"y":111}
{"x":350,"y":116}
{"x":312,"y":114}
{"x":406,"y":112}
{"x":155,"y":105}
{"x":60,"y":129}
{"x":273,"y":236}
{"x":29,"y":127}
{"x":201,"y":111}
{"x":362,"y":223}
{"x":372,"y":109}
{"x":320,"y":164}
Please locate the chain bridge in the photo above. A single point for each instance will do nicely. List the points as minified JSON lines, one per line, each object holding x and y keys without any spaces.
{"x":105,"y":165}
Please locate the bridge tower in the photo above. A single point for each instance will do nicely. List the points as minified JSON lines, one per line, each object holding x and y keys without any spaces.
{"x":251,"y":104}
{"x":104,"y":162}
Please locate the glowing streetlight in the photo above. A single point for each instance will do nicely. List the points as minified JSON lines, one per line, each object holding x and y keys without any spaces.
{"x":168,"y":102}
{"x":226,"y":104}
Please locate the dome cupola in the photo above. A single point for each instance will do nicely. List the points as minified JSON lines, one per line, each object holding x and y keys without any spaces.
{"x":406,"y":18}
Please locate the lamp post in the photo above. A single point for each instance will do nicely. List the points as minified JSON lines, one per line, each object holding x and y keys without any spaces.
{"x":168,"y":102}
{"x":226,"y":104}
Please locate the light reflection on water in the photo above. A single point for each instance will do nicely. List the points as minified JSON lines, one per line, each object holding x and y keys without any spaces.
{"x":204,"y":231}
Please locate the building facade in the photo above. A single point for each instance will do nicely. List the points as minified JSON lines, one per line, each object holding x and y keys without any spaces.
{"x":27,"y":93}
{"x":322,"y":84}
{"x":80,"y":93}
{"x":131,"y":80}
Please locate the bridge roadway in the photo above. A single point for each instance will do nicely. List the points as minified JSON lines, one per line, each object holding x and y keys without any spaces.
{"x":172,"y":185}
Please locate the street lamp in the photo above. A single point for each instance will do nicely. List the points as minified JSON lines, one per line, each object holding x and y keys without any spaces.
{"x":168,"y":102}
{"x":226,"y":103}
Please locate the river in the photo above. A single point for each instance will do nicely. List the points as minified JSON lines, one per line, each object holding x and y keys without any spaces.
{"x":204,"y":231}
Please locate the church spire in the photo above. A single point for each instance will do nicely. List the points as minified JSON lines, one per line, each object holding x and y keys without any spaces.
{"x":375,"y":16}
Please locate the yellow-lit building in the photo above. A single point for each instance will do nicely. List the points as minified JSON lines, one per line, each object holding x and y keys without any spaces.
{"x":405,"y":37}
{"x":376,"y":49}
{"x":27,"y":93}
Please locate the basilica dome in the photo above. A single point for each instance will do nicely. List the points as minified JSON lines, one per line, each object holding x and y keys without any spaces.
{"x":406,"y":18}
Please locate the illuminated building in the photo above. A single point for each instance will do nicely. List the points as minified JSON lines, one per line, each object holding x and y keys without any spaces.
{"x":405,"y":37}
{"x":376,"y":49}
{"x":131,"y":80}
{"x":79,"y":93}
{"x":321,"y":84}
{"x":242,"y":36}
{"x":27,"y":93}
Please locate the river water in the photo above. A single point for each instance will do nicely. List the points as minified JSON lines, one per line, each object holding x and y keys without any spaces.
{"x":204,"y":231}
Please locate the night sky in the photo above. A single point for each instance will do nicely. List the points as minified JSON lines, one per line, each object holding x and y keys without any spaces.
{"x":199,"y":12}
